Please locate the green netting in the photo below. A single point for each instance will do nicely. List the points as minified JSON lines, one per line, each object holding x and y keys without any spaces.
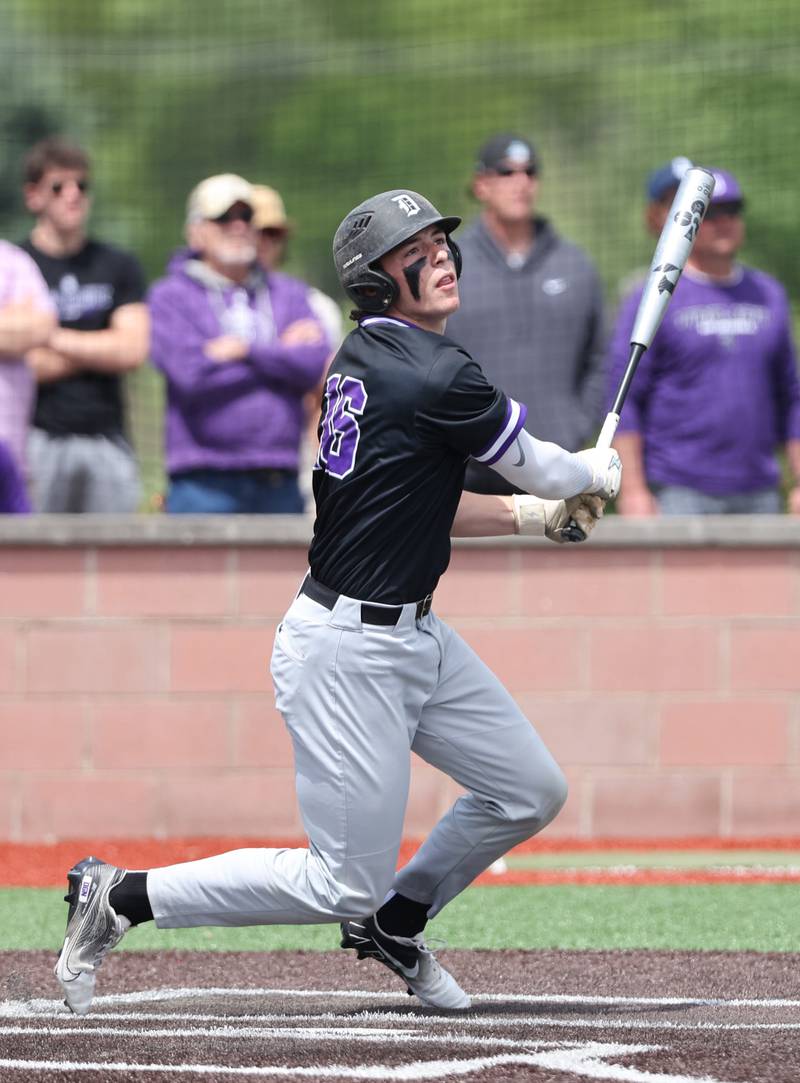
{"x":330,"y":100}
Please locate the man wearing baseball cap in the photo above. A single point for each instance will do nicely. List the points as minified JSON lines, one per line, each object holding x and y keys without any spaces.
{"x":531,"y":304}
{"x":717,"y":393}
{"x":662,"y":184}
{"x":238,"y":351}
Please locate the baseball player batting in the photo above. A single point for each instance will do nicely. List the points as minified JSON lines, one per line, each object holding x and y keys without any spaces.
{"x":364,"y":670}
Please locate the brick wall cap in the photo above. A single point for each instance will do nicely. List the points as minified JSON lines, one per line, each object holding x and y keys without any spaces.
{"x":722,"y":531}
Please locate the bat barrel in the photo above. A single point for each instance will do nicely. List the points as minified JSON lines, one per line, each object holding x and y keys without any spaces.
{"x":673,"y":248}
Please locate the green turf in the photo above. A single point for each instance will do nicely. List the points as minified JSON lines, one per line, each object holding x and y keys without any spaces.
{"x":653,"y":859}
{"x":757,"y":917}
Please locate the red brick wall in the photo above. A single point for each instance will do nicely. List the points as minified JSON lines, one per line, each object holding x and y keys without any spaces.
{"x":135,"y":696}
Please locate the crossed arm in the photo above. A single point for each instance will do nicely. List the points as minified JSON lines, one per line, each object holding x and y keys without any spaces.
{"x":23,"y":325}
{"x":121,"y":347}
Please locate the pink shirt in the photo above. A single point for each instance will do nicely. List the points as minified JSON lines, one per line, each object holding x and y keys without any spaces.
{"x":20,"y":281}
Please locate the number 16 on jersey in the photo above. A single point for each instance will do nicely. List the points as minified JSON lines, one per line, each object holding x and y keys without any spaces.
{"x":345,"y":400}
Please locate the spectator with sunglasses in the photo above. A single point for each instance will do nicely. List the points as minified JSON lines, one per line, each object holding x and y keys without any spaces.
{"x":717,"y":393}
{"x":531,"y":306}
{"x":79,"y":456}
{"x":239,"y":349}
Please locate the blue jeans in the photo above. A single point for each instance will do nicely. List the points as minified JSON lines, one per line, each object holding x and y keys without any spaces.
{"x":235,"y":492}
{"x":680,"y":500}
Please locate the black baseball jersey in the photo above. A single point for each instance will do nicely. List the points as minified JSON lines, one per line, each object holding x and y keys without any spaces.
{"x":403,"y":410}
{"x":86,"y":288}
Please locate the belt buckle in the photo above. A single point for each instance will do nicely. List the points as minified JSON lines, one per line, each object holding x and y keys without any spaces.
{"x":424,"y":607}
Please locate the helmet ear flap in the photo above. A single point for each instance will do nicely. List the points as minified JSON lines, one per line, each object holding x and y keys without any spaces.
{"x":455,"y":252}
{"x":374,"y":291}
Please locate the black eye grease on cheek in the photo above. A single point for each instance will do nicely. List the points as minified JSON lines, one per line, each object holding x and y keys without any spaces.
{"x":412,"y":273}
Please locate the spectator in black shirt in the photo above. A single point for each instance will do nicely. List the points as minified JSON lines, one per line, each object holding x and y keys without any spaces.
{"x":79,"y":457}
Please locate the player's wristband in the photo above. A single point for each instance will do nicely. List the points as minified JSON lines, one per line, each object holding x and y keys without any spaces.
{"x":529,"y":516}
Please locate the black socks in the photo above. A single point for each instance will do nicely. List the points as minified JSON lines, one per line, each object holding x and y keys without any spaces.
{"x":129,"y":898}
{"x":402,"y":917}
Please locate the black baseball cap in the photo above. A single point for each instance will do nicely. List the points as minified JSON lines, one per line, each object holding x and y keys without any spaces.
{"x":506,"y":147}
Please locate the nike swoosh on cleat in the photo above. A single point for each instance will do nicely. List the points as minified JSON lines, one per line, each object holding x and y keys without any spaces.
{"x":379,"y":952}
{"x":72,"y":974}
{"x":407,"y":972}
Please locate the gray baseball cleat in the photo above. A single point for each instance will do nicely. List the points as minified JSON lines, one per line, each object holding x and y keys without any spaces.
{"x":416,"y":964}
{"x":93,"y":928}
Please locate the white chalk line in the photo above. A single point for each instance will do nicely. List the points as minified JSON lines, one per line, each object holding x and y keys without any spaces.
{"x":17,"y":1008}
{"x":91,"y":1023}
{"x":369,"y":1034}
{"x":306,"y":1034}
{"x":587,"y":1060}
{"x":582,"y":1059}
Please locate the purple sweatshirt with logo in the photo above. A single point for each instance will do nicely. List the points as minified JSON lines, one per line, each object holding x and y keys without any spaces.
{"x":717,"y":392}
{"x":234,"y":415}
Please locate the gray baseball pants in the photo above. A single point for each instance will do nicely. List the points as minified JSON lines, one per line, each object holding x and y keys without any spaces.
{"x":357,"y":698}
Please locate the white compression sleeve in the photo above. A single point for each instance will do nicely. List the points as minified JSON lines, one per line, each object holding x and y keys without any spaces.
{"x":537,"y":466}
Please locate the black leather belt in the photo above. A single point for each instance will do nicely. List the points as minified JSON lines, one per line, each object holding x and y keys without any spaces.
{"x":387,"y":615}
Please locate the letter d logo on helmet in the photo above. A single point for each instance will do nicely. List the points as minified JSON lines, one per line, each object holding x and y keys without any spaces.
{"x":374,"y":228}
{"x":406,"y":203}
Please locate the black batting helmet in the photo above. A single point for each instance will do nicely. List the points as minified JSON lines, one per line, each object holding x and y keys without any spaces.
{"x":374,"y":228}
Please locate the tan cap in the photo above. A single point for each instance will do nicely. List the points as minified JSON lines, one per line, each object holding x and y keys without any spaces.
{"x":270,"y":212}
{"x":215,"y":195}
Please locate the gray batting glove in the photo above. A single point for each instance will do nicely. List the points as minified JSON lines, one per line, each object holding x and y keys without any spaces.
{"x":606,"y":468}
{"x":547,"y":518}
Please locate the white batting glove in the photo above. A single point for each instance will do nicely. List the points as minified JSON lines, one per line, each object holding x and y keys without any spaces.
{"x":547,"y":518}
{"x":606,"y":469}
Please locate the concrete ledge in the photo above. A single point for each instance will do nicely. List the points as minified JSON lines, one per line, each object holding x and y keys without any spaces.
{"x":699,"y":532}
{"x":726,"y":531}
{"x":156,"y":530}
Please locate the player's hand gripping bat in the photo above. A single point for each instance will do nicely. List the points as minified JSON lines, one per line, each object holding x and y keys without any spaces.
{"x":673,"y":248}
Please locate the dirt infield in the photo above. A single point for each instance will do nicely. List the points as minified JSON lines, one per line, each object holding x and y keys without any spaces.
{"x":642,"y":1017}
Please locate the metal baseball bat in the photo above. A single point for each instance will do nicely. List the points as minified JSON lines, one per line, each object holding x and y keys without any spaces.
{"x":672,"y":251}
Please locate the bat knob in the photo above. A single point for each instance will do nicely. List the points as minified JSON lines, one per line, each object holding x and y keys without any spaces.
{"x":572,"y":532}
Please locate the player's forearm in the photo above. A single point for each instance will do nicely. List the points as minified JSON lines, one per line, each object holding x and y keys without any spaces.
{"x":23,"y":327}
{"x":484,"y":516}
{"x":113,"y":350}
{"x":481,"y":515}
{"x":538,"y":466}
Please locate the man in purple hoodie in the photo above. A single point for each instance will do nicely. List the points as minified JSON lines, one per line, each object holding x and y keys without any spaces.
{"x":717,"y":393}
{"x":239,"y":348}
